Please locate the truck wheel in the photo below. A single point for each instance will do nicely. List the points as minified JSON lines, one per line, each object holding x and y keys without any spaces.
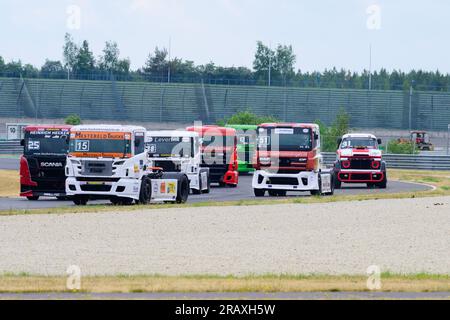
{"x":80,"y":201}
{"x":183,"y":189}
{"x":383,"y":184}
{"x":259,"y":192}
{"x":35,"y":198}
{"x":337,"y":183}
{"x":145,"y":194}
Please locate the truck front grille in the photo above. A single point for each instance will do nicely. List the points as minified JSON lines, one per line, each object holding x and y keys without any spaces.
{"x":96,"y":168}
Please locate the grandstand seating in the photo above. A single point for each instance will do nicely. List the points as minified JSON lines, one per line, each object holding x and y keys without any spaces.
{"x":164,"y":102}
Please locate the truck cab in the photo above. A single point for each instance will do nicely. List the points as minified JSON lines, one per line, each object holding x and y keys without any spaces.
{"x":359,"y":160}
{"x":288,"y":158}
{"x":43,"y":161}
{"x":179,"y":151}
{"x":219,"y":153}
{"x":111,"y":162}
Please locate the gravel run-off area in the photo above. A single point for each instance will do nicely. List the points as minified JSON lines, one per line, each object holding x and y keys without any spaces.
{"x":400,"y":236}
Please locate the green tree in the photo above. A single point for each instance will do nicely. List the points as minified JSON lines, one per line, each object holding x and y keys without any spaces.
{"x":110,"y":58}
{"x":2,"y":64}
{"x":264,"y":60}
{"x":157,"y":64}
{"x":70,"y":53}
{"x":73,"y":120}
{"x":85,"y":61}
{"x":330,"y":135}
{"x":53,"y":69}
{"x":247,"y":117}
{"x":284,"y":62}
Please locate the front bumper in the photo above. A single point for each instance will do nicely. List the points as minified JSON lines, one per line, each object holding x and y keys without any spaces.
{"x":360,"y":176}
{"x":302,"y":181}
{"x":123,"y":187}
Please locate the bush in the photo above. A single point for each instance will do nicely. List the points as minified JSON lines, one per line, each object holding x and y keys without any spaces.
{"x":73,"y":120}
{"x":331,"y":134}
{"x":247,"y":117}
{"x":401,"y":147}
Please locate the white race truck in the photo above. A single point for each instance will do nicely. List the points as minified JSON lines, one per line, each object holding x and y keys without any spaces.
{"x":179,"y":151}
{"x":111,"y":162}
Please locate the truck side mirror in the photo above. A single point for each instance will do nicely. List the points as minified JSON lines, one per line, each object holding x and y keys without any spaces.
{"x":379,"y":141}
{"x":316,"y":136}
{"x":22,"y":142}
{"x":339,"y":141}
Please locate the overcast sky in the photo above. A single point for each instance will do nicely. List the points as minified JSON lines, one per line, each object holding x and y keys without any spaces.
{"x":404,"y":34}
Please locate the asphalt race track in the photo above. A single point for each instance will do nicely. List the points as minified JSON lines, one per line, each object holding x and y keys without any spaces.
{"x":244,"y":191}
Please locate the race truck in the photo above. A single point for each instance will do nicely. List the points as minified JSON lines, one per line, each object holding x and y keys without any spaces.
{"x":219,"y":153}
{"x":288,"y":158}
{"x":359,"y":160}
{"x":111,"y":162}
{"x":43,"y":161}
{"x":179,"y":151}
{"x":246,"y":136}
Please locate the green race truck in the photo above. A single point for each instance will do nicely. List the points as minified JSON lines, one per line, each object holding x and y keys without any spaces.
{"x":246,"y":135}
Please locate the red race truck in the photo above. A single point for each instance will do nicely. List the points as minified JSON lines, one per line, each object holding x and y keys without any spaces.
{"x":43,"y":161}
{"x":219,"y":153}
{"x":288,"y":158}
{"x":359,"y":160}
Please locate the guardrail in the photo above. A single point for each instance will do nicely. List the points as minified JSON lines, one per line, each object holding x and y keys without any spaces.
{"x":405,"y":161}
{"x":398,"y":161}
{"x":10,"y":147}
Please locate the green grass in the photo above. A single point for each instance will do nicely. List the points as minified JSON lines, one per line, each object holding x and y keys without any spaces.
{"x":423,"y":282}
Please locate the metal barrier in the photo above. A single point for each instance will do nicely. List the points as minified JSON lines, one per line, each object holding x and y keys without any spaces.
{"x":404,"y":161}
{"x":10,"y":147}
{"x":418,"y":162}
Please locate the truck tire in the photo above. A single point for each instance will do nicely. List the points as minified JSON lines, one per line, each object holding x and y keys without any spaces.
{"x":183,"y":185}
{"x":35,"y":198}
{"x":383,"y":184}
{"x":145,"y":194}
{"x":337,"y":182}
{"x":259,"y":192}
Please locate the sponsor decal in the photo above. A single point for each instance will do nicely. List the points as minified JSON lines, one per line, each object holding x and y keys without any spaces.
{"x":171,"y":188}
{"x":52,"y":165}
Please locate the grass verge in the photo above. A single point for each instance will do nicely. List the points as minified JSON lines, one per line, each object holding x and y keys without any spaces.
{"x":23,"y":283}
{"x":439,"y":179}
{"x":9,"y":183}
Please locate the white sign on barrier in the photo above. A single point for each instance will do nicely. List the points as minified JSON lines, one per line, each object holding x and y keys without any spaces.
{"x":14,"y":131}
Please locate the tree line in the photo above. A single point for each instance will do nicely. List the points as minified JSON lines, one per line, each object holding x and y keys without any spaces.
{"x":271,"y":66}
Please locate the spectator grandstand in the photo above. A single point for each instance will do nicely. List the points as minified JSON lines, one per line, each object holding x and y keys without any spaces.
{"x":184,"y":103}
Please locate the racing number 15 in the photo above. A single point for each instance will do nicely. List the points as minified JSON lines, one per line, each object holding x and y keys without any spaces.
{"x":82,"y":145}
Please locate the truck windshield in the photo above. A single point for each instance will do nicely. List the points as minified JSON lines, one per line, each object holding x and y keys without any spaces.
{"x":100,"y":144}
{"x":172,"y":147}
{"x":211,"y":142}
{"x":350,"y":143}
{"x":46,"y":142}
{"x":285,"y":139}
